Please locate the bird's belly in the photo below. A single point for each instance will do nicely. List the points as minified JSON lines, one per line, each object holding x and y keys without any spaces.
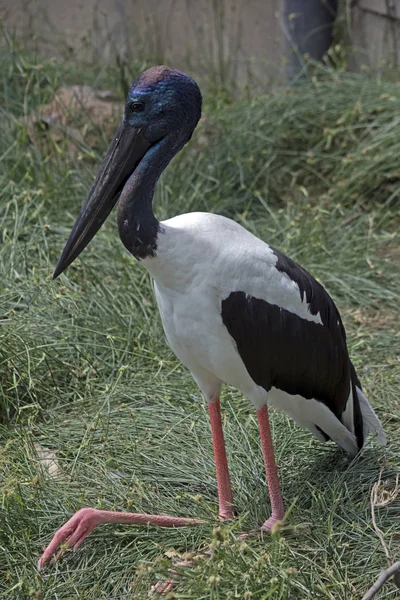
{"x":195,"y":331}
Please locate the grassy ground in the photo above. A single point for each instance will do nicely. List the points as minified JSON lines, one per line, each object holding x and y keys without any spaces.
{"x":88,"y":382}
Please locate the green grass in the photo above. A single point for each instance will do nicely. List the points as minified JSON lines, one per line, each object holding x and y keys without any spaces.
{"x":85,"y":370}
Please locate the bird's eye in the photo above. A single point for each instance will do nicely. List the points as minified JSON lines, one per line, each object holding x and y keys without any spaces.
{"x":137,"y":106}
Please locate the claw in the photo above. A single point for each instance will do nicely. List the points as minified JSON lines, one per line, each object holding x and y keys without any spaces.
{"x":72,"y":533}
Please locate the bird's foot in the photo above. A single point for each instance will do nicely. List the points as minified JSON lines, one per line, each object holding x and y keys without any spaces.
{"x":273,"y":523}
{"x":227,"y":515}
{"x":85,"y":520}
{"x":72,"y":534}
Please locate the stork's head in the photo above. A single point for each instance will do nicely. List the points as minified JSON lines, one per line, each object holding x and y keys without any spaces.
{"x":163,"y":102}
{"x":162,"y":109}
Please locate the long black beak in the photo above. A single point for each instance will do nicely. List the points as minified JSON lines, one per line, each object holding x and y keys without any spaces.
{"x":127,"y":149}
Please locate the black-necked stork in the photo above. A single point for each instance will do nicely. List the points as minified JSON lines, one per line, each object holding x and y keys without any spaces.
{"x":234,"y":309}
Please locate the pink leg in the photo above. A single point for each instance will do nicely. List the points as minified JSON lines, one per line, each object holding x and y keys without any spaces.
{"x":86,"y":519}
{"x":278,"y":511}
{"x":225,"y":498}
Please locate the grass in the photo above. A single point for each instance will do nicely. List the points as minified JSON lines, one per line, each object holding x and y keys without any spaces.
{"x":85,"y":371}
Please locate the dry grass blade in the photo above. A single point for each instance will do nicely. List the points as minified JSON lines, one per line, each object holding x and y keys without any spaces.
{"x":392,"y":571}
{"x":382,"y":497}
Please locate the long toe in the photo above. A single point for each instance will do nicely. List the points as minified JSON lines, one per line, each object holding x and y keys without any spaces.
{"x":71,"y":534}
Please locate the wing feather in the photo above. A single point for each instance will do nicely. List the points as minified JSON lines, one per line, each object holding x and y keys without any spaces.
{"x":283,"y":350}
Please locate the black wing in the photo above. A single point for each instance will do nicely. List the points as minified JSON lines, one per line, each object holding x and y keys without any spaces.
{"x":282,"y":350}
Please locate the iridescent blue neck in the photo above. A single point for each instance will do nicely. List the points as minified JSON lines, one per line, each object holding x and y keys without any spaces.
{"x":138,"y":227}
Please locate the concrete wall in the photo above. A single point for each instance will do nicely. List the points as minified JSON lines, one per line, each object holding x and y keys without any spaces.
{"x":375,"y":33}
{"x":232,"y":38}
{"x":244,"y":40}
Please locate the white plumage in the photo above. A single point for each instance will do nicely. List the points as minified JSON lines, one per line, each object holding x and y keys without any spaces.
{"x":201,"y":259}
